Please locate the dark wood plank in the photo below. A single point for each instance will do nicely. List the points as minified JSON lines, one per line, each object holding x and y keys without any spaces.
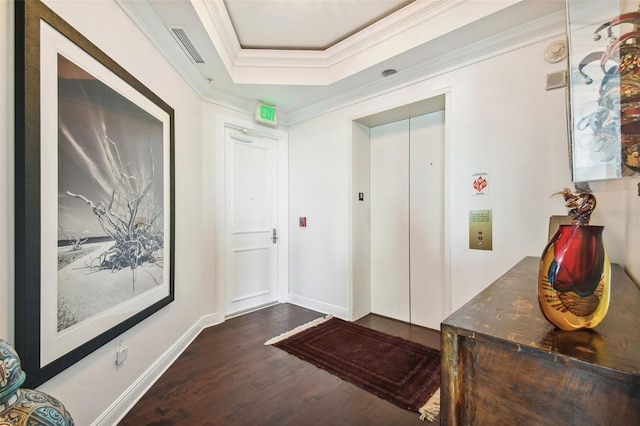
{"x":425,"y":336}
{"x":228,"y":377}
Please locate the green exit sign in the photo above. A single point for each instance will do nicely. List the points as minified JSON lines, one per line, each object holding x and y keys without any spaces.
{"x":266,"y":114}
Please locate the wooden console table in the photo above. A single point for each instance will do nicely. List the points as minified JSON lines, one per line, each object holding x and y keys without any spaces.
{"x":504,"y":364}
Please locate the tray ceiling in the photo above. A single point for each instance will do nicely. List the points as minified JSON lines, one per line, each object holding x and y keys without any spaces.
{"x":295,"y":54}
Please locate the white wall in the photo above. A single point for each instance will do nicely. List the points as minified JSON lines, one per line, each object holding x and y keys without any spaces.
{"x":504,"y":123}
{"x":320,"y":189}
{"x":89,"y":387}
{"x":361,"y":218}
{"x":6,"y":170}
{"x":630,"y":216}
{"x":501,"y":121}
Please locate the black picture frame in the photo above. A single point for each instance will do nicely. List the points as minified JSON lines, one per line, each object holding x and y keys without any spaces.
{"x":127,"y":107}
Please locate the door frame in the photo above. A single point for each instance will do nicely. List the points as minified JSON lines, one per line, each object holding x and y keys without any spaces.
{"x":382,"y":106}
{"x":222,"y":122}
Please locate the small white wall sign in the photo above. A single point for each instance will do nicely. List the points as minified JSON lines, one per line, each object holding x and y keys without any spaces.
{"x":480,"y":183}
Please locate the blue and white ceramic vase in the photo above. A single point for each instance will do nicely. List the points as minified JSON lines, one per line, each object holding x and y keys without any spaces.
{"x":19,"y":406}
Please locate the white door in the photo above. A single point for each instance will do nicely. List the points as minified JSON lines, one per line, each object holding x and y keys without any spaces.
{"x":389,"y":174}
{"x":251,"y":221}
{"x":426,"y":213}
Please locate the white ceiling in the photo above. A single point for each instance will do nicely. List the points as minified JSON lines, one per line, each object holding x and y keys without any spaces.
{"x":304,"y":24}
{"x":304,"y":54}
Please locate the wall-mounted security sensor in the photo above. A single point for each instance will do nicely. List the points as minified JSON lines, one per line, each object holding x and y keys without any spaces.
{"x":556,"y":51}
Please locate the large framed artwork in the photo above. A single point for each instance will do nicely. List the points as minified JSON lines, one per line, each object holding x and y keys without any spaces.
{"x":94,"y":215}
{"x":604,"y":86}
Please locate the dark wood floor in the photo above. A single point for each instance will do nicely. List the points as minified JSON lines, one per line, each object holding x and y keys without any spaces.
{"x":228,"y":377}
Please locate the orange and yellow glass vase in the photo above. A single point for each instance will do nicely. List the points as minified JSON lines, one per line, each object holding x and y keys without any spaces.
{"x":574,"y":280}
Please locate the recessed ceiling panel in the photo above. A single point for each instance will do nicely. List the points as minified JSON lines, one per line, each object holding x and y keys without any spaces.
{"x":304,"y":24}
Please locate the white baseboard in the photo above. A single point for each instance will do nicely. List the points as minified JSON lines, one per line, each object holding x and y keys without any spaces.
{"x":248,"y":311}
{"x":210,"y":320}
{"x":325,"y":308}
{"x":121,"y":406}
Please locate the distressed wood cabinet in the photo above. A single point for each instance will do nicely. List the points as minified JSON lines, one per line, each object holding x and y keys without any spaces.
{"x":504,"y":364}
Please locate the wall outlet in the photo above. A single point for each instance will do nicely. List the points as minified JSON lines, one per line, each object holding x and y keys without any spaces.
{"x":121,"y":354}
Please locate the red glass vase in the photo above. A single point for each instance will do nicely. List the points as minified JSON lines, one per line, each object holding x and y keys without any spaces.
{"x":574,"y":279}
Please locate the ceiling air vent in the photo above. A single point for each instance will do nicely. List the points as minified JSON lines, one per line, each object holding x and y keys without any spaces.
{"x":184,"y":40}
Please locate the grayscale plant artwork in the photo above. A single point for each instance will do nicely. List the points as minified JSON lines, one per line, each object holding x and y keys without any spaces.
{"x":111,"y":227}
{"x":129,"y":217}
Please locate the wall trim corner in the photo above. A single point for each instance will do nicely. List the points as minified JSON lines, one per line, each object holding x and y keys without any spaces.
{"x":125,"y":402}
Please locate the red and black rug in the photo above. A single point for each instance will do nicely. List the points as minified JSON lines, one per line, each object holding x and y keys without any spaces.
{"x":395,"y":369}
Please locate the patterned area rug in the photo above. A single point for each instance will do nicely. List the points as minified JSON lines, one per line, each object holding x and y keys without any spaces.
{"x":395,"y":369}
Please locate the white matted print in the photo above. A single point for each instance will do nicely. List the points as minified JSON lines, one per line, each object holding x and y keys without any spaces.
{"x":104,"y":198}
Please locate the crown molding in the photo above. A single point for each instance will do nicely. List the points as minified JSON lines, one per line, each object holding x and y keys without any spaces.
{"x":394,"y":25}
{"x":407,"y":28}
{"x":538,"y":30}
{"x":216,"y":21}
{"x":163,"y":42}
{"x":533,"y":31}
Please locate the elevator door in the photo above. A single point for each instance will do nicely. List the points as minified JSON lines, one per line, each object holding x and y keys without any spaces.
{"x":407,"y":219}
{"x":390,"y":220}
